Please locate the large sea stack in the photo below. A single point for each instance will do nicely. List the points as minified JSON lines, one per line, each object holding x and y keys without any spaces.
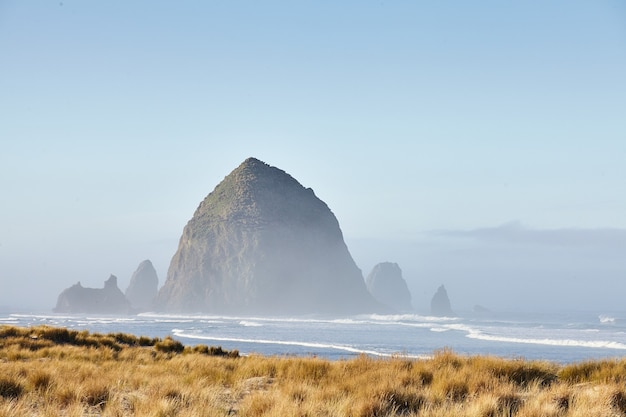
{"x":79,"y":299}
{"x":386,"y":284}
{"x":262,"y":243}
{"x":143,"y":287}
{"x":440,"y":303}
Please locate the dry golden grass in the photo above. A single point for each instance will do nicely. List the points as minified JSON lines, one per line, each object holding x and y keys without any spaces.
{"x":47,"y":371}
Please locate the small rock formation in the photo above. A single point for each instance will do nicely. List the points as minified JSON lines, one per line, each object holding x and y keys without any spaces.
{"x":440,"y":303}
{"x":386,"y":284}
{"x":143,"y":287}
{"x":78,"y":299}
{"x":262,"y":243}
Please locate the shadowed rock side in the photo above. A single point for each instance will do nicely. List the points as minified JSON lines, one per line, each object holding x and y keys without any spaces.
{"x":78,"y":299}
{"x":440,"y":303}
{"x":386,"y":284}
{"x":143,"y":287}
{"x":262,"y":243}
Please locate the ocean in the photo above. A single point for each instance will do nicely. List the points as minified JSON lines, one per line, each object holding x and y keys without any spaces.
{"x":557,"y":337}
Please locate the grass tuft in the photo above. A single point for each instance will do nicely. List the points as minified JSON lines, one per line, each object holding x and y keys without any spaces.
{"x":40,"y":380}
{"x":10,"y":388}
{"x":169,"y":345}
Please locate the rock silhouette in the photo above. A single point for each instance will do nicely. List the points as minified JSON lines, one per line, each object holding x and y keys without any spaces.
{"x":79,"y":299}
{"x":440,"y":303}
{"x":386,"y":284}
{"x":143,"y":287}
{"x":262,"y":243}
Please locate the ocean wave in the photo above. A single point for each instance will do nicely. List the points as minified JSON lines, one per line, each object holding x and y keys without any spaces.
{"x":44,"y":316}
{"x":347,"y":321}
{"x":597,"y":344}
{"x":376,"y":319}
{"x":395,"y":318}
{"x":107,"y":320}
{"x":222,"y":319}
{"x":478,"y":334}
{"x":181,"y":318}
{"x":440,"y":328}
{"x":604,"y":319}
{"x":9,"y":320}
{"x":247,"y":323}
{"x":174,"y":321}
{"x":316,"y":345}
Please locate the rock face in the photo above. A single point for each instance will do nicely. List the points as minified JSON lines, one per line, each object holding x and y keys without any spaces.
{"x":262,"y":243}
{"x":78,"y":299}
{"x":440,"y":303}
{"x":143,"y":287}
{"x":386,"y":284}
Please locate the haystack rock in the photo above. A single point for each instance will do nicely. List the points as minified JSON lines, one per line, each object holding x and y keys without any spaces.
{"x":440,"y":304}
{"x":143,"y":287}
{"x":386,"y":284}
{"x":262,"y":243}
{"x":79,"y":299}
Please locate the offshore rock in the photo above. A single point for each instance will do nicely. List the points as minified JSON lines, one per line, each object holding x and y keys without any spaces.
{"x":386,"y":284}
{"x":440,"y":303}
{"x":143,"y":287}
{"x":79,"y":299}
{"x":262,"y":243}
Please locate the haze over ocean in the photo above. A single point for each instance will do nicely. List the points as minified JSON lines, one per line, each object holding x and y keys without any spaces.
{"x":478,"y":145}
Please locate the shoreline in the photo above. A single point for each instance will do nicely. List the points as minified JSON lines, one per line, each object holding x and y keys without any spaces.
{"x":564,"y":339}
{"x":57,"y":371}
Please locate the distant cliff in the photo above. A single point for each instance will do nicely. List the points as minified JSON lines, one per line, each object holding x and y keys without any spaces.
{"x":262,"y":243}
{"x":78,"y":299}
{"x":386,"y":284}
{"x":143,"y":287}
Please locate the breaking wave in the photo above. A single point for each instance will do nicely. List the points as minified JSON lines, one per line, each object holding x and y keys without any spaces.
{"x":564,"y":338}
{"x":596,"y":344}
{"x":316,"y":345}
{"x":247,"y":323}
{"x":604,"y":319}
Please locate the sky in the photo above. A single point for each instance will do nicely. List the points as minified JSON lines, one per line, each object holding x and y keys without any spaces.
{"x":480,"y":145}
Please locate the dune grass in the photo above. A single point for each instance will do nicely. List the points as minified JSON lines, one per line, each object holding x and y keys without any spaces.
{"x":46,"y":371}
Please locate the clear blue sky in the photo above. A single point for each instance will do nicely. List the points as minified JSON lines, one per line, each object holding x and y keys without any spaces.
{"x":406,"y":118}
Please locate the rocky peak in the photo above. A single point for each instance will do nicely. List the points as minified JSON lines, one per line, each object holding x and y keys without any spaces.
{"x":143,"y":287}
{"x":440,"y":303}
{"x":260,"y":242}
{"x":256,"y":193}
{"x":111,"y":283}
{"x":386,"y":284}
